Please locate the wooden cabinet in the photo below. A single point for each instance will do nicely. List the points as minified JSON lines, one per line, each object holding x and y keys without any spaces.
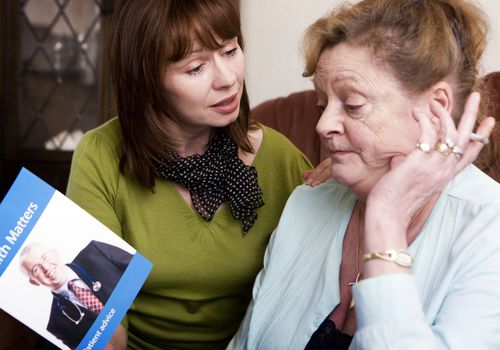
{"x":54,"y":83}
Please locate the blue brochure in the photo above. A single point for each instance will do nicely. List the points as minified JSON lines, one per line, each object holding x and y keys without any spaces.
{"x":63,"y":273}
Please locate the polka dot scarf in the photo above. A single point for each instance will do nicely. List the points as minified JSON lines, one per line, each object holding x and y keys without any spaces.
{"x":215,"y":177}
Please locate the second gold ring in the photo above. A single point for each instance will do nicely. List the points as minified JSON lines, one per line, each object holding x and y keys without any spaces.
{"x":443,"y":148}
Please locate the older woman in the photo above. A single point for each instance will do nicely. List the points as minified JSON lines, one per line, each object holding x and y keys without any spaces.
{"x":402,"y":249}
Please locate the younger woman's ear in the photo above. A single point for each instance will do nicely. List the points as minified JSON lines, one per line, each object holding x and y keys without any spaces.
{"x":442,"y":93}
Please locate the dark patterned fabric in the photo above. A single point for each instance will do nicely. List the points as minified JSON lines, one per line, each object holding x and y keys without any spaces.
{"x":215,"y":177}
{"x":327,"y":336}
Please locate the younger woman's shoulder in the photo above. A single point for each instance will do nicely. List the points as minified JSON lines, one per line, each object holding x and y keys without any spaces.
{"x":274,"y":136}
{"x":279,"y":151}
{"x":107,"y":134}
{"x":275,"y":143}
{"x":101,"y":145}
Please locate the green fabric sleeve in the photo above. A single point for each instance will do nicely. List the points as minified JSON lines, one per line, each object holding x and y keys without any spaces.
{"x":94,"y":178}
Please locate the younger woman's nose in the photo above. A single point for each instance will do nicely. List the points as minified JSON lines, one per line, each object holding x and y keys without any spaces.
{"x":224,"y":76}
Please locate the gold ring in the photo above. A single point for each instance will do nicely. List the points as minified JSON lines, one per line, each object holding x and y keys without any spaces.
{"x":424,"y":147}
{"x":449,"y":143}
{"x":457,"y":152}
{"x":442,"y":148}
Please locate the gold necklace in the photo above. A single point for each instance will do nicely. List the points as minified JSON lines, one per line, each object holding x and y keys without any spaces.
{"x":356,"y":265}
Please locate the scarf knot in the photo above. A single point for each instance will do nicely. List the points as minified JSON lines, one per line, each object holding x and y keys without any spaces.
{"x":215,"y":177}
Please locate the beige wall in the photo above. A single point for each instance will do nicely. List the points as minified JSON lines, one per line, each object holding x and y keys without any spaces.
{"x":273,"y":30}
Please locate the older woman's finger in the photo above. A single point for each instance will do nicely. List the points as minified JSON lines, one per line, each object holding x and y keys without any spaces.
{"x":428,"y":134}
{"x":468,"y":119}
{"x":474,"y":148}
{"x":448,"y":132}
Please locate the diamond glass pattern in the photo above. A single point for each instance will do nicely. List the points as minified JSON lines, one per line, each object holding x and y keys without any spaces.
{"x":58,"y":76}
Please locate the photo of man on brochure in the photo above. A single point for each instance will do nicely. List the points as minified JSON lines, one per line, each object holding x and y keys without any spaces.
{"x":79,"y":288}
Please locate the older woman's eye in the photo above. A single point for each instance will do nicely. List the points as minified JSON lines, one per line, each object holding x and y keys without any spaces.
{"x":353,"y":108}
{"x":320,"y":108}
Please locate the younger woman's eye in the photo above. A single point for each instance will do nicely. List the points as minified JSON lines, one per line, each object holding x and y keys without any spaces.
{"x":196,"y":70}
{"x":231,"y":52}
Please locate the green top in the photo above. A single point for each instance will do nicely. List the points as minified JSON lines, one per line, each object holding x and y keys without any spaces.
{"x":203,"y":271}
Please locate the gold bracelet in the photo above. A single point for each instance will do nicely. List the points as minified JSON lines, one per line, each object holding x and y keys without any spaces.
{"x":398,"y":256}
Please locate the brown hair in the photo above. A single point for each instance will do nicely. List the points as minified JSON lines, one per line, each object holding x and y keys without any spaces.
{"x":423,"y":41}
{"x":147,"y":36}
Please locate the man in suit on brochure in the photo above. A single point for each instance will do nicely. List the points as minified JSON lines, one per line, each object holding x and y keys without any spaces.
{"x":80,"y":288}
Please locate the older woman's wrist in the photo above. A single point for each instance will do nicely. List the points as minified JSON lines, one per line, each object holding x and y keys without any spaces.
{"x":390,"y":212}
{"x":384,"y":229}
{"x":385,"y":237}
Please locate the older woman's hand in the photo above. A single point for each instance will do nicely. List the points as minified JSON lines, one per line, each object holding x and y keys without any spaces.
{"x":417,"y":178}
{"x":426,"y":171}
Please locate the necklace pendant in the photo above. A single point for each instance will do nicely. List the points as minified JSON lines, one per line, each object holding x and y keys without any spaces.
{"x":353,"y":304}
{"x":350,"y":284}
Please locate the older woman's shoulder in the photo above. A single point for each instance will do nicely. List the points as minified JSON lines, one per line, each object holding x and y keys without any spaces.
{"x":312,"y":204}
{"x":475,"y":187}
{"x":330,"y":191}
{"x":314,"y":219}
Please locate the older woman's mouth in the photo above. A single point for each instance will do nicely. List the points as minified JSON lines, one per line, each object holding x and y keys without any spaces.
{"x":340,"y":153}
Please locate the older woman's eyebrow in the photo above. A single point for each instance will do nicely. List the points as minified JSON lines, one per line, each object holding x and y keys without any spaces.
{"x":342,"y":83}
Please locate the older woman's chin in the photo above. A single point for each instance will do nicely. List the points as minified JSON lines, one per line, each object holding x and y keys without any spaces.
{"x":345,"y":179}
{"x":360,"y":181}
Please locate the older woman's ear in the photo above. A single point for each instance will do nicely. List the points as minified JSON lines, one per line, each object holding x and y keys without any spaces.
{"x":442,"y":93}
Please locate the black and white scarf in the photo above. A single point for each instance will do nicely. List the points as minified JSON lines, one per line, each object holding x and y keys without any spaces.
{"x":215,"y":177}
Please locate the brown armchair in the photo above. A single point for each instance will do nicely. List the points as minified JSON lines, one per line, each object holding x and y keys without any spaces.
{"x":492,"y":83}
{"x":296,"y":116}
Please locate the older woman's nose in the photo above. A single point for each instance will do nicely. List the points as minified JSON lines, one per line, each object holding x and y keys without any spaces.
{"x":330,"y":123}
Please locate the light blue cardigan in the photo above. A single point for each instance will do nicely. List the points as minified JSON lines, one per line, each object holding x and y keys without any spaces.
{"x":451,"y":300}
